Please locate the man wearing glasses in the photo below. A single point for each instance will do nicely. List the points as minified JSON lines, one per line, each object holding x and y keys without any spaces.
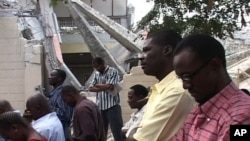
{"x":199,"y":60}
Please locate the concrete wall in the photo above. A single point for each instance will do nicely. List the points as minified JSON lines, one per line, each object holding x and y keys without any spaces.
{"x":136,"y":76}
{"x":12,"y":66}
{"x":18,"y":76}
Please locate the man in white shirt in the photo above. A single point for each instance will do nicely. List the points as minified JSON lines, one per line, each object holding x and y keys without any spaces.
{"x":45,"y":121}
{"x":137,"y":99}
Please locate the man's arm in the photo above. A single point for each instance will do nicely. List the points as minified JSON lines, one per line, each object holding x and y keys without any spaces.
{"x":241,"y":119}
{"x":168,"y":117}
{"x":101,"y":87}
{"x":112,"y":80}
{"x":63,"y":111}
{"x":131,"y":134}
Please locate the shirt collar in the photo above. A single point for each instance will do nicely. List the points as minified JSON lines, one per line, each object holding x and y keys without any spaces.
{"x":80,"y":99}
{"x":141,"y":110}
{"x":211,"y":107}
{"x":45,"y":117}
{"x":58,"y":87}
{"x":167,"y":80}
{"x":106,"y":69}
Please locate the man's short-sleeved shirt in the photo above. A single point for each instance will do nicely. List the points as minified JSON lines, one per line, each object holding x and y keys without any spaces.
{"x":134,"y":120}
{"x":166,"y":110}
{"x":211,"y":121}
{"x":50,"y":127}
{"x":105,"y":99}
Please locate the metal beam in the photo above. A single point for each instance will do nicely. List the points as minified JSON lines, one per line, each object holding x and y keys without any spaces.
{"x":124,"y":36}
{"x":96,"y":47}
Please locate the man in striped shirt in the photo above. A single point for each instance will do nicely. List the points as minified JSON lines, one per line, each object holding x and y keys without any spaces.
{"x":199,"y":60}
{"x":104,"y":81}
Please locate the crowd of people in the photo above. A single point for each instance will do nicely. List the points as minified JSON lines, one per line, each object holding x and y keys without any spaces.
{"x":195,"y":99}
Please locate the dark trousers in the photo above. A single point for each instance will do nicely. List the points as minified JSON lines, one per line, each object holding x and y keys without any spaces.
{"x":113,"y":116}
{"x":67,"y":133}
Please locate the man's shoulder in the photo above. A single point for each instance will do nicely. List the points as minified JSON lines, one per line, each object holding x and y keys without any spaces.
{"x":86,"y":103}
{"x":48,"y":121}
{"x":177,"y":92}
{"x":111,"y":69}
{"x":239,"y":103}
{"x":56,"y":91}
{"x":175,"y":88}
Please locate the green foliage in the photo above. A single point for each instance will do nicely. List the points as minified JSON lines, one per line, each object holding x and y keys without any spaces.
{"x":215,"y":17}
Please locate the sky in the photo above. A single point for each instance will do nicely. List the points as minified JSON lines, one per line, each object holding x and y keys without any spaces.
{"x":141,"y":8}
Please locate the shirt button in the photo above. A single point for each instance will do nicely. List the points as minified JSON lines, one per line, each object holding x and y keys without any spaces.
{"x":208,"y":119}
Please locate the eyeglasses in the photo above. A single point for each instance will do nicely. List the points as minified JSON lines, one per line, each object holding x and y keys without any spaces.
{"x":188,"y":76}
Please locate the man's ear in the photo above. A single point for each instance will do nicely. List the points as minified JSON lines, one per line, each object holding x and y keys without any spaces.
{"x":14,"y":127}
{"x":141,"y":96}
{"x":167,"y":50}
{"x":216,"y":64}
{"x":37,"y":107}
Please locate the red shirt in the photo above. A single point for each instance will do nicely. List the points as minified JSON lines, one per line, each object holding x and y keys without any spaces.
{"x":211,"y":121}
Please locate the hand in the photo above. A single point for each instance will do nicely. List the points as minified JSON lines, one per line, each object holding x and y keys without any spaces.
{"x":27,"y":116}
{"x":123,"y":133}
{"x":111,"y":87}
{"x":131,"y":134}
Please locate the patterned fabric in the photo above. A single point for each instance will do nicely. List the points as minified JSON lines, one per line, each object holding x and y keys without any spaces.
{"x":211,"y":121}
{"x":134,"y":121}
{"x":63,"y":111}
{"x":166,"y":110}
{"x":105,"y":99}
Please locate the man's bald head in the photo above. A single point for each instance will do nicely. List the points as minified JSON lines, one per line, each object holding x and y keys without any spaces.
{"x":5,"y":106}
{"x":38,"y":106}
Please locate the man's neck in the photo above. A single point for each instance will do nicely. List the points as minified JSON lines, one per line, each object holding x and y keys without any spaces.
{"x":164,"y":74}
{"x":105,"y":67}
{"x":141,"y":106}
{"x":56,"y":85}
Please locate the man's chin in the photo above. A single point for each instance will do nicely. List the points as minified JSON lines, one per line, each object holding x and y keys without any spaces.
{"x":147,"y":72}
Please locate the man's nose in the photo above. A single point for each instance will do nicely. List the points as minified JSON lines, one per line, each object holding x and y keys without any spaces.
{"x":141,"y":55}
{"x":128,"y":101}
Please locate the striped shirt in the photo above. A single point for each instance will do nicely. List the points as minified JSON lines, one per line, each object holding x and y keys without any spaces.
{"x":211,"y":121}
{"x":104,"y":99}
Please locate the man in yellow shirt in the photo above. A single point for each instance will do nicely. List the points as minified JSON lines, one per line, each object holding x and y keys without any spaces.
{"x":168,"y":104}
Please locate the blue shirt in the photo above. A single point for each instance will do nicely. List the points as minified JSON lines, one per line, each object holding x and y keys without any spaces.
{"x":104,"y":99}
{"x":63,"y":111}
{"x":2,"y":139}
